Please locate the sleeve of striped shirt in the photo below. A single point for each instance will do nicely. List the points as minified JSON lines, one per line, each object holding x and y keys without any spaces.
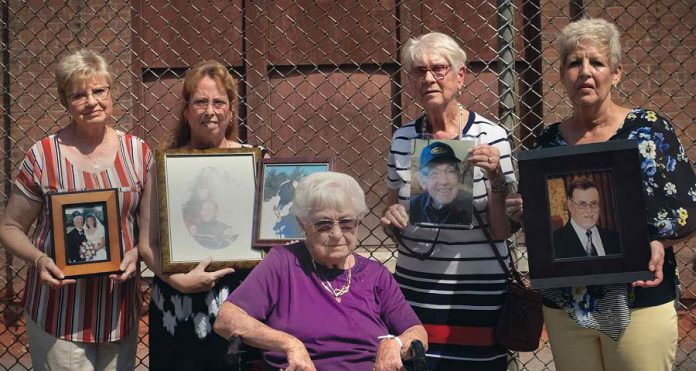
{"x":28,"y":178}
{"x":499,"y":139}
{"x":393,"y":180}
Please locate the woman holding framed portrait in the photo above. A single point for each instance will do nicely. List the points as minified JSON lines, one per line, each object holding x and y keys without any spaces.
{"x":92,"y":318}
{"x":181,"y":336}
{"x":619,"y":326}
{"x":439,"y":266}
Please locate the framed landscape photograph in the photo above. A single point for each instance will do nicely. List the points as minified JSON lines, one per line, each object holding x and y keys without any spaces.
{"x":86,"y":232}
{"x":584,"y":214}
{"x":275,"y":224}
{"x":441,"y":183}
{"x":206,"y":201}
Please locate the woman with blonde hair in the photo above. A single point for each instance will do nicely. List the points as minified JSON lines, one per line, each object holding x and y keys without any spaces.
{"x":87,"y":322}
{"x":631,"y":327}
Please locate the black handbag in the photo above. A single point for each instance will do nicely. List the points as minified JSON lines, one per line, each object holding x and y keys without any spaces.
{"x":521,"y":319}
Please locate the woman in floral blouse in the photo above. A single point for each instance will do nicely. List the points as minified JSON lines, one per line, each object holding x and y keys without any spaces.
{"x":623,"y":326}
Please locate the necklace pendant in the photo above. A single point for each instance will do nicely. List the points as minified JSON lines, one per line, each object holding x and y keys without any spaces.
{"x":338,"y":299}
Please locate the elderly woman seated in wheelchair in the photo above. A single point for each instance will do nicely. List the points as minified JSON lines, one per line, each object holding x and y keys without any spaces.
{"x":316,"y":305}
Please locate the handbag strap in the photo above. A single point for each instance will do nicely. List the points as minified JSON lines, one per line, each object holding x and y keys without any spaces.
{"x":511,"y":271}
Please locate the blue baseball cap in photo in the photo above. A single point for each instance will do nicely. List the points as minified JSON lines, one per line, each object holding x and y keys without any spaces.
{"x":439,"y":152}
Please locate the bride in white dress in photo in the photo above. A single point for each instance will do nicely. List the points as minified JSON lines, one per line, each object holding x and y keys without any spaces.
{"x":95,"y":247}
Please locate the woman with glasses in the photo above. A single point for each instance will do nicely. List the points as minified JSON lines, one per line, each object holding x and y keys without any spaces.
{"x":87,"y":322}
{"x":621,"y":326}
{"x":317,"y":305}
{"x":451,"y":276}
{"x":184,"y":305}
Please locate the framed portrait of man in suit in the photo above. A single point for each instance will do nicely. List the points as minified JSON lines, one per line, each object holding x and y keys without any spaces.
{"x":584,"y":214}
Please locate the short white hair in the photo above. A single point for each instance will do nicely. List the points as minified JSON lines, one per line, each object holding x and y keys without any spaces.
{"x":595,"y":32}
{"x":433,"y":43}
{"x":319,"y":191}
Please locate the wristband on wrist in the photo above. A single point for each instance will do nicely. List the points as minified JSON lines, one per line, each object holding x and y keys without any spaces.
{"x":390,"y":336}
{"x":36,"y":260}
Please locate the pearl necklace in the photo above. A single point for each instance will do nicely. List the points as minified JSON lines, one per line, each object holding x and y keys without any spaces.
{"x":336,"y":293}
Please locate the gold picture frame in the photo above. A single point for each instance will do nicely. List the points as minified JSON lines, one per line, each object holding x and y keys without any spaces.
{"x":206,"y":207}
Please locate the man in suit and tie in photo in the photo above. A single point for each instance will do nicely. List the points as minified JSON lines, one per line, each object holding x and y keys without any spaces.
{"x":581,"y":236}
{"x":75,"y":238}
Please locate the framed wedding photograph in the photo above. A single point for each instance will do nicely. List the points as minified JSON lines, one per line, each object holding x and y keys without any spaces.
{"x":584,"y":214}
{"x":206,"y":207}
{"x":442,"y":183}
{"x":86,"y":232}
{"x":275,"y":224}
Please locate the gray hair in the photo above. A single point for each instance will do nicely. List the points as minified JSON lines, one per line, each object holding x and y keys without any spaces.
{"x":596,"y":32}
{"x":433,"y":43}
{"x":77,"y":67}
{"x":319,"y":191}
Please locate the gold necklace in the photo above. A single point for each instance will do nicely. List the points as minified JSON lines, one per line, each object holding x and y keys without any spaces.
{"x":336,"y":293}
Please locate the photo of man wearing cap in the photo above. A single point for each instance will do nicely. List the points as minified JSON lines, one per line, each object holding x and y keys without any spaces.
{"x":445,"y":199}
{"x":75,"y":238}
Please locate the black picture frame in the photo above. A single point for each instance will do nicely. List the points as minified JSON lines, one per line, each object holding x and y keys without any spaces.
{"x":84,"y":254}
{"x":615,"y":167}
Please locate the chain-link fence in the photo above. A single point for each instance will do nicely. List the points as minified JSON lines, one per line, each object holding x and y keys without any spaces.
{"x":323,"y":78}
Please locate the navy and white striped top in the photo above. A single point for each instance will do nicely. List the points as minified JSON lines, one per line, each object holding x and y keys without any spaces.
{"x":458,"y":291}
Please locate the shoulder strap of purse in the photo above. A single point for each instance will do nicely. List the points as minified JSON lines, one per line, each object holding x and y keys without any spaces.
{"x":511,"y":271}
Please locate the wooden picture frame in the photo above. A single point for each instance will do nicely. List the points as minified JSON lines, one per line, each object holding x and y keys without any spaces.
{"x":274,"y":223}
{"x":206,"y":207}
{"x":607,"y":197}
{"x":86,"y":232}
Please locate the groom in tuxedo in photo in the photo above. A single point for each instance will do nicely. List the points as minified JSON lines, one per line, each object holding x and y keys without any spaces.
{"x":581,"y":236}
{"x":75,"y":238}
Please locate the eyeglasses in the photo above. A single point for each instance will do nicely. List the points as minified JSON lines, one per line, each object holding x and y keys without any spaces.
{"x":439,"y":71}
{"x":80,"y":98}
{"x":325,"y":225}
{"x":582,"y":205}
{"x":202,"y":104}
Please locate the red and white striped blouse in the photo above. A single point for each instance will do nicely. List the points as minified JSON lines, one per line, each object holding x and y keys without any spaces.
{"x":95,"y":309}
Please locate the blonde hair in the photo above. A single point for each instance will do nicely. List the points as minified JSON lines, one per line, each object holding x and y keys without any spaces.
{"x":433,"y":43}
{"x":596,"y":32}
{"x":216,"y":71}
{"x":329,"y":189}
{"x":78,"y":67}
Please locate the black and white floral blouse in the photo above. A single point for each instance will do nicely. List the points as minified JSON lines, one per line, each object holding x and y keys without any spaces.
{"x":669,"y":187}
